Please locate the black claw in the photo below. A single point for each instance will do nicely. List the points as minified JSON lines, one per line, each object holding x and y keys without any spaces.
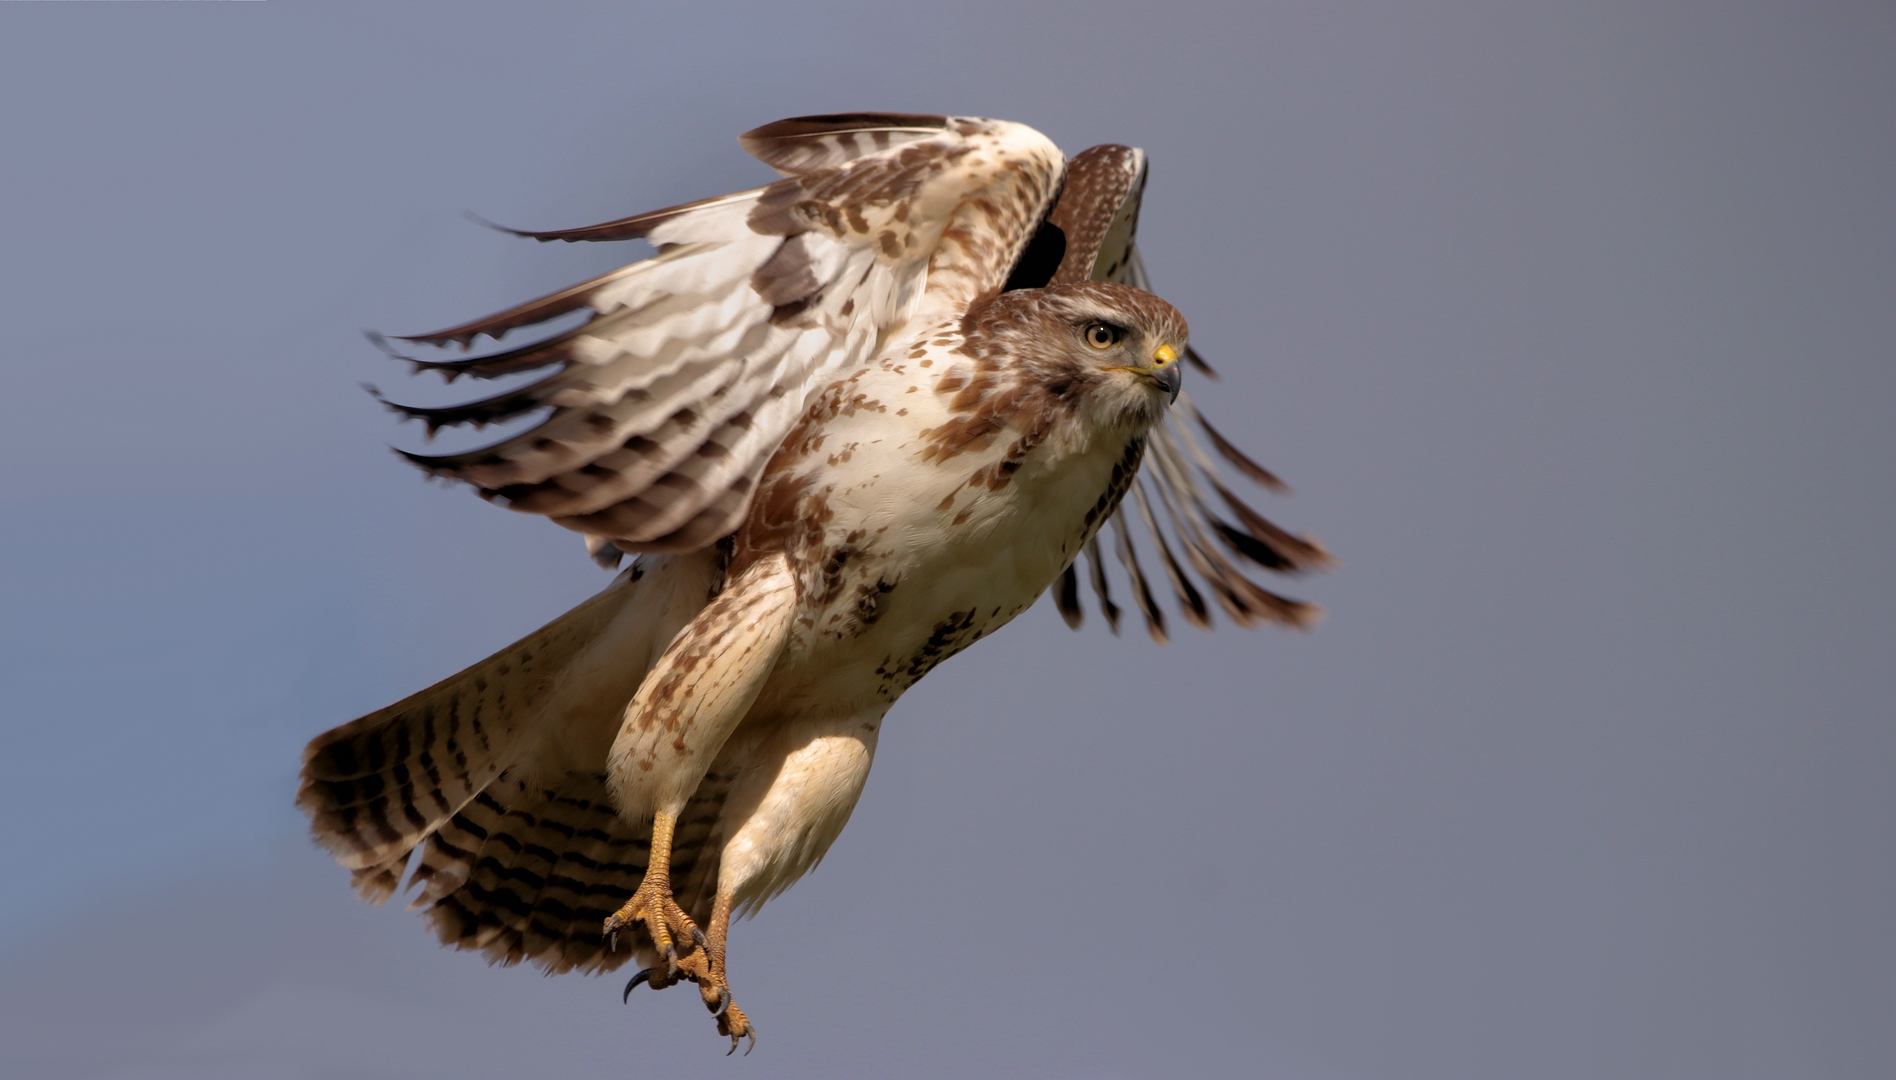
{"x":612,"y":941}
{"x":671,"y":960}
{"x":643,"y":975}
{"x":753,"y":1042}
{"x":733,"y":1048}
{"x":697,"y":935}
{"x":724,"y":1001}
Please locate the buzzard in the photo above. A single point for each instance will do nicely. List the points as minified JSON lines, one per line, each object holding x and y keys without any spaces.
{"x":849,"y":423}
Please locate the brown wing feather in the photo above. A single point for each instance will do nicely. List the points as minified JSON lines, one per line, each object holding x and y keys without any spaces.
{"x":636,"y":227}
{"x":661,"y":409}
{"x":805,"y":144}
{"x":1096,"y":222}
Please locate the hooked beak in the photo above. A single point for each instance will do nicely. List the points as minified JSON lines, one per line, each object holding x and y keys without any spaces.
{"x":1166,"y":374}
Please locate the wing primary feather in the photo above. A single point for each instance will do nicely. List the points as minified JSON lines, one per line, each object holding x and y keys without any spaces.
{"x":550,"y":306}
{"x":1170,"y":461}
{"x":1244,"y":600}
{"x":807,"y":143}
{"x":1191,"y":601}
{"x":636,"y":227}
{"x":1302,"y":554}
{"x":557,"y":349}
{"x":1175,"y":479}
{"x":648,"y":442}
{"x":1185,"y":505}
{"x":478,"y":414}
{"x":1260,"y":541}
{"x":1250,"y":547}
{"x":1096,"y":567}
{"x":1141,"y":589}
{"x":1066,"y":597}
{"x":1257,"y":600}
{"x":651,"y":473}
{"x":1238,"y":459}
{"x":1197,"y":360}
{"x":576,"y":434}
{"x":1209,"y":564}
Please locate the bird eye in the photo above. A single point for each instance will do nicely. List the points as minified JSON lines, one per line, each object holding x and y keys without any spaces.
{"x":1103,"y":335}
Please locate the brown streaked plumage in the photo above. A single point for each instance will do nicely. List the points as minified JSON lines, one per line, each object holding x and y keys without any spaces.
{"x":854,"y":421}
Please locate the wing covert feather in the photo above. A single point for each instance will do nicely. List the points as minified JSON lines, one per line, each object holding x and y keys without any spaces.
{"x":664,"y":406}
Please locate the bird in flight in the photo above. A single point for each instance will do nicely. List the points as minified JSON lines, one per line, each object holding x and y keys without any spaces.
{"x":848,"y":424}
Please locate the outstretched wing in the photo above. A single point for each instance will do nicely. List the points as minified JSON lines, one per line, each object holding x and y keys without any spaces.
{"x":1094,"y":228}
{"x":663,"y":407}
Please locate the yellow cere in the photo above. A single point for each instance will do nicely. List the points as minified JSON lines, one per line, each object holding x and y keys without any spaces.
{"x":1164,"y":356}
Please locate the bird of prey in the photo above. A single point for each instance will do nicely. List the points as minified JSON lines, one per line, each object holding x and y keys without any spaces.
{"x":849,"y":423}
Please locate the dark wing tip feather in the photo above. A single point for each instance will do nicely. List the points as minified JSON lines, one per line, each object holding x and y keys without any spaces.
{"x":1251,"y":547}
{"x":1243,"y":599}
{"x":1242,"y":462}
{"x":380,"y":341}
{"x":1066,"y":597}
{"x":836,"y":123}
{"x":550,"y":306}
{"x":476,"y":414}
{"x":1191,"y":601}
{"x":496,"y":409}
{"x":539,"y":354}
{"x":1196,"y":360}
{"x":1141,"y":588}
{"x":443,"y":466}
{"x":450,"y":369}
{"x":1096,"y":570}
{"x":1300,"y":615}
{"x":636,"y":227}
{"x":798,"y":144}
{"x":494,"y":225}
{"x":1302,"y":553}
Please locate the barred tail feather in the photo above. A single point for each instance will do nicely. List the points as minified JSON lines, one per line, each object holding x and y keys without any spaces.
{"x":529,"y":873}
{"x":374,"y":787}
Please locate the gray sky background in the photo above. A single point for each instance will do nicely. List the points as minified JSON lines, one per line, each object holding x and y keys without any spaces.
{"x":1571,"y":323}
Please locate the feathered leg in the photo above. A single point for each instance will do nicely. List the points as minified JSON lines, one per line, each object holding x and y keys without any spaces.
{"x":684,"y":710}
{"x":799,"y":781}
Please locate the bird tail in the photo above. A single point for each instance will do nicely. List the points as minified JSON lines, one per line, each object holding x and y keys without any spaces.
{"x":376,"y":787}
{"x":530,"y":870}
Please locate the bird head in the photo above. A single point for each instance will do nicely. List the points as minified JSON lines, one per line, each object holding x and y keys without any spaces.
{"x":1123,"y":344}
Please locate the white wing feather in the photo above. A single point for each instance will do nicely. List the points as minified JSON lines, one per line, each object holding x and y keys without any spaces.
{"x":668,"y":402}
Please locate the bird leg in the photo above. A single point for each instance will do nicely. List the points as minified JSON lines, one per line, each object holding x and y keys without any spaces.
{"x":652,"y":904}
{"x":714,"y":987}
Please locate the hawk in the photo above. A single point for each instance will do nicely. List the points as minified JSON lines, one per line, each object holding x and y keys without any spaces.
{"x":849,"y":423}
